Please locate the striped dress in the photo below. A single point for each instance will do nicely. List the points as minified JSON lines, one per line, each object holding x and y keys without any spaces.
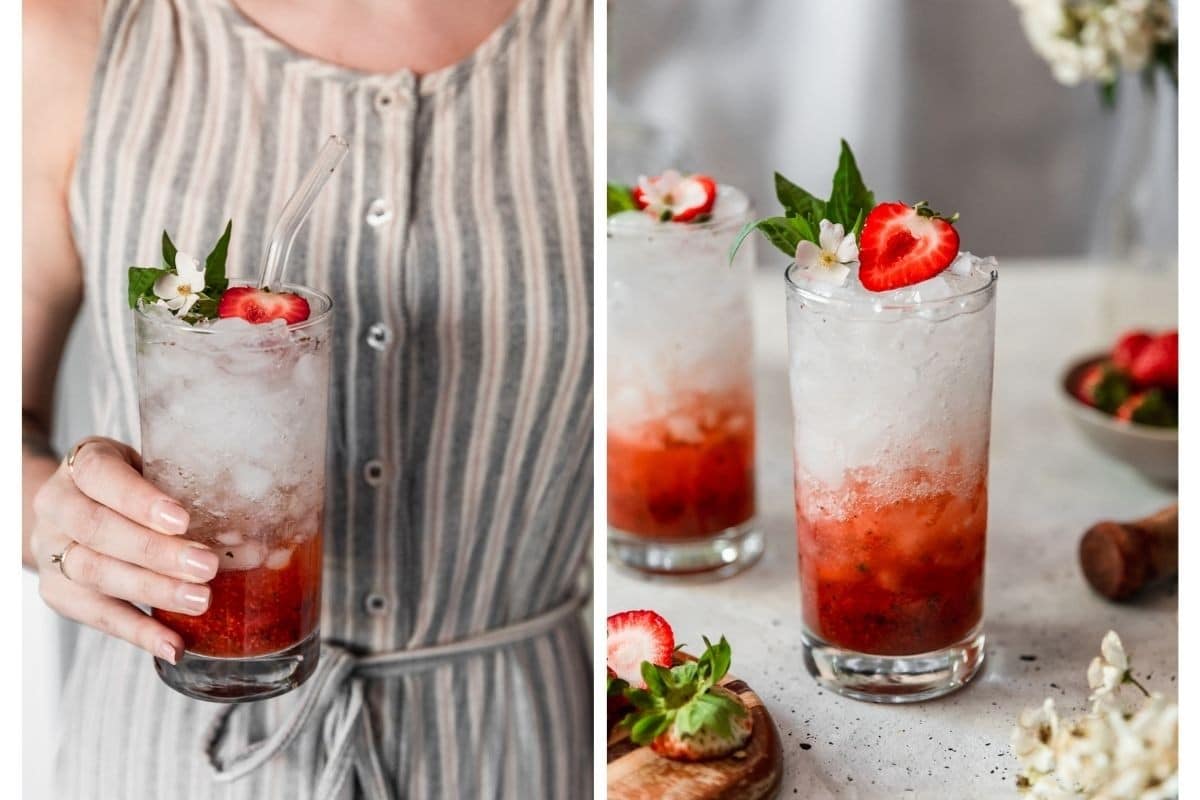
{"x":455,"y":240}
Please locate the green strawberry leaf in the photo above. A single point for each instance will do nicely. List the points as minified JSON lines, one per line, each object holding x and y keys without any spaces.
{"x":141,"y":283}
{"x":168,"y":252}
{"x":620,"y":198}
{"x":1155,"y":409}
{"x":1113,"y":389}
{"x":653,"y":675}
{"x":214,"y":265}
{"x":646,"y":728}
{"x":716,"y":659}
{"x":797,"y":202}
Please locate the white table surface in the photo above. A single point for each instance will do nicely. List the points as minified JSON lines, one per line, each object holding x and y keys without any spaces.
{"x":1047,"y":486}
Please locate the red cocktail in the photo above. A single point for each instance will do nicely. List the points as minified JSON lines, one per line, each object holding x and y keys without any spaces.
{"x":234,"y":418}
{"x":685,"y":477}
{"x":681,"y":496}
{"x":893,"y":574}
{"x":257,"y":610}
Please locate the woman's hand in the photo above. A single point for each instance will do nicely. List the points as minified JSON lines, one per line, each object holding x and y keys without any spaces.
{"x":129,"y":549}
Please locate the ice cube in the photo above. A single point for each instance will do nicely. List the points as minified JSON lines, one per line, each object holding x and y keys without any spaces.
{"x":251,"y":481}
{"x":244,"y":556}
{"x":230,"y":538}
{"x":279,"y":558}
{"x":684,"y":428}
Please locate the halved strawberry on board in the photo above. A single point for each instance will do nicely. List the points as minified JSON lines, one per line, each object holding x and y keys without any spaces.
{"x":902,"y":245}
{"x":637,"y":636}
{"x":261,"y":305}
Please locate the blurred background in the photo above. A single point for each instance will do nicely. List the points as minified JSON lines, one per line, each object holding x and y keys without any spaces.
{"x":941,"y":100}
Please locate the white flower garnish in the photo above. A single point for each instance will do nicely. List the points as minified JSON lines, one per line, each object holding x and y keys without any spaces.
{"x":1111,"y":753}
{"x":830,"y":260}
{"x":180,"y":290}
{"x":1107,"y":671}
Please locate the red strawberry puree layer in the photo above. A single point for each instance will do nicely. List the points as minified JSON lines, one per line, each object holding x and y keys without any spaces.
{"x":256,"y":611}
{"x":894,"y":573}
{"x":684,"y":477}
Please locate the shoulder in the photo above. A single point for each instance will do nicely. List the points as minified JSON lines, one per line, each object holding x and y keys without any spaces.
{"x":60,"y":42}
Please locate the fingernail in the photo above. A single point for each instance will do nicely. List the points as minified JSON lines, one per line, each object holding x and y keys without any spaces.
{"x":199,"y":563}
{"x":166,"y":651}
{"x":193,"y":597}
{"x":171,"y":517}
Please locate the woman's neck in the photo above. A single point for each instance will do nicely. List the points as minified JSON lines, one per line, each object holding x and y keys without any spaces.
{"x":381,"y":35}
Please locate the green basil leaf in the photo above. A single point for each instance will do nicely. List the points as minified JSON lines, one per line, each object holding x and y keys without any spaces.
{"x":168,"y":251}
{"x":214,"y":265}
{"x":141,"y":283}
{"x":620,"y":198}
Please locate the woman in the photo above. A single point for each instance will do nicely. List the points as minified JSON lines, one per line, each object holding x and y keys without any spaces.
{"x":455,"y":240}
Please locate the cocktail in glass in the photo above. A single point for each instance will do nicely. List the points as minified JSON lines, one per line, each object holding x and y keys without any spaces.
{"x":891,"y":400}
{"x":681,"y":486}
{"x":233,"y":419}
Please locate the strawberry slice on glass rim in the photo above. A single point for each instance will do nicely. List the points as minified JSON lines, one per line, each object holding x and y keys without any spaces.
{"x":674,"y":197}
{"x":262,"y":305}
{"x":902,"y":245}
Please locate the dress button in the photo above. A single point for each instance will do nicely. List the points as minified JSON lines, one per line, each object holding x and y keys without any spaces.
{"x":386,"y":100}
{"x":379,"y":336}
{"x":375,"y":604}
{"x":373,"y":472}
{"x":379,"y":212}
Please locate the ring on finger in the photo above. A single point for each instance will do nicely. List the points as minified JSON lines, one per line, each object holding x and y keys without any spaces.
{"x":74,"y":452}
{"x":60,"y":558}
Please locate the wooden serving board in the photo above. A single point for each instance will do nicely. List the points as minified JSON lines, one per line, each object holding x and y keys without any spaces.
{"x":752,"y":773}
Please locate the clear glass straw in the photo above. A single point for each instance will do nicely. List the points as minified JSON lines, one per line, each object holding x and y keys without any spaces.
{"x":297,"y":208}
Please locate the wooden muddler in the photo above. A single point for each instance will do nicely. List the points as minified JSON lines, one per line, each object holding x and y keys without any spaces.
{"x":1119,"y":558}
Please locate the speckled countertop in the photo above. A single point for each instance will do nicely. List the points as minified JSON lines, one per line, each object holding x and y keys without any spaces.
{"x":1043,"y":623}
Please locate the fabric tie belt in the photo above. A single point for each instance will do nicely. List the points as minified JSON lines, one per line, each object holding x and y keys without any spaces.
{"x":335,"y":692}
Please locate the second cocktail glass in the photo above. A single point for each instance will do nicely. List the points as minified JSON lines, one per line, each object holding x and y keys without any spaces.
{"x":681,"y":493}
{"x":891,"y":398}
{"x":234,"y":419}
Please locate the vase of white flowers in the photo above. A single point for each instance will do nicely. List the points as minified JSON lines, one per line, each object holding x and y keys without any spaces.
{"x":1106,"y":43}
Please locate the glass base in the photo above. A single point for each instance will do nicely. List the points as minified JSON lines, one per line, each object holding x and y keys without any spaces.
{"x":718,"y":556}
{"x":241,"y":680}
{"x":893,"y":679}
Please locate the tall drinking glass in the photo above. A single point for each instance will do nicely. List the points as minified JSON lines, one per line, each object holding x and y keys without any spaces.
{"x":234,"y":420}
{"x":681,"y":495}
{"x":891,"y":400}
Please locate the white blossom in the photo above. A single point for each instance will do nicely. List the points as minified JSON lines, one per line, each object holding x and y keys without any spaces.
{"x":1110,"y":754}
{"x":1093,"y":40}
{"x":830,"y":258}
{"x":179,"y":290}
{"x":1107,"y":671}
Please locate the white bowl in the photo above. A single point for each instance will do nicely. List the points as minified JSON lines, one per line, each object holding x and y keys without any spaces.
{"x":1152,"y":451}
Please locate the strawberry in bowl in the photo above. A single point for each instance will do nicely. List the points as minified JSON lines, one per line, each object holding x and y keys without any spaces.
{"x":1126,"y":401}
{"x":1136,"y":382}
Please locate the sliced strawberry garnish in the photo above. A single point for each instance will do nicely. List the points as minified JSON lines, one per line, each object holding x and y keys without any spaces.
{"x":637,"y":636}
{"x":261,"y":305}
{"x":902,"y":245}
{"x":1157,"y":363}
{"x":1127,"y":349}
{"x":672,"y":197}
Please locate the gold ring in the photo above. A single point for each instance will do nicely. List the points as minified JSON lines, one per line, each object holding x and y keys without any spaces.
{"x":61,"y":558}
{"x":73,"y":452}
